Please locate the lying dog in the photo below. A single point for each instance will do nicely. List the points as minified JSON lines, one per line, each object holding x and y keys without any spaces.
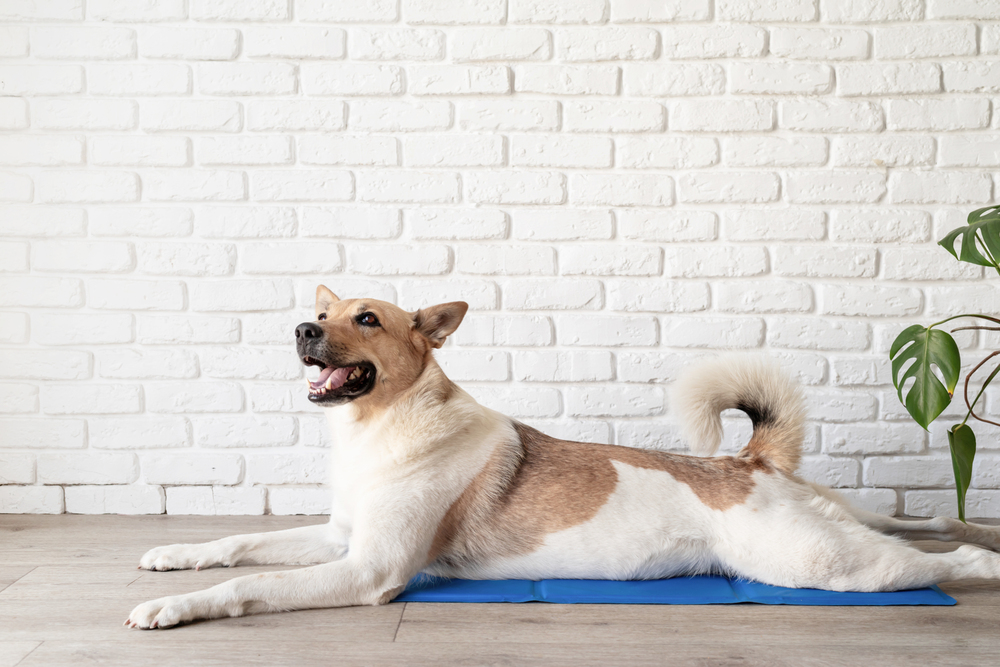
{"x":427,"y":480}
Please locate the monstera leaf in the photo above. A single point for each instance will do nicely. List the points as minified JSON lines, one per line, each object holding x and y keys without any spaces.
{"x":928,"y":396}
{"x":981,"y":235}
{"x":962,"y":443}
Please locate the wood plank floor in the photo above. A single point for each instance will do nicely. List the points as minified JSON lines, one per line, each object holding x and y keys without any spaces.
{"x":68,"y":582}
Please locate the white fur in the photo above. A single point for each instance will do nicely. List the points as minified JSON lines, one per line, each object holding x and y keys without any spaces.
{"x":395,"y":477}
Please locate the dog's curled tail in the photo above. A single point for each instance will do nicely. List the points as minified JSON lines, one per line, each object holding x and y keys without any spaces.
{"x":750,"y":383}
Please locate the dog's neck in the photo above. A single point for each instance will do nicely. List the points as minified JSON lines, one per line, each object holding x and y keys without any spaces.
{"x":430,"y":412}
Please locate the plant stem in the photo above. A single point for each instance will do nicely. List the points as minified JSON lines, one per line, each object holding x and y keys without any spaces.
{"x":955,"y":317}
{"x":981,"y":390}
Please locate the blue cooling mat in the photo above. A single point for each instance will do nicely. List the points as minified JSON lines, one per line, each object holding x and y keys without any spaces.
{"x":702,"y":589}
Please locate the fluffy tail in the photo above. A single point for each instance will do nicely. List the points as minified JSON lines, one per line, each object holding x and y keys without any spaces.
{"x":749,"y":383}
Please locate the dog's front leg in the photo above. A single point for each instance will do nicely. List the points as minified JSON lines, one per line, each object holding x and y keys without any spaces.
{"x":389,"y":544}
{"x":342,"y":583}
{"x":309,"y":544}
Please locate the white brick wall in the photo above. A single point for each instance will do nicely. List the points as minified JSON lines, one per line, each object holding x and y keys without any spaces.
{"x":617,"y":187}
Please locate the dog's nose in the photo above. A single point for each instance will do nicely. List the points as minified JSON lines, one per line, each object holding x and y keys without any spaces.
{"x":308,"y":330}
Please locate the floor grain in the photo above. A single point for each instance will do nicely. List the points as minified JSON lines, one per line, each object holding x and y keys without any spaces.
{"x":68,"y":582}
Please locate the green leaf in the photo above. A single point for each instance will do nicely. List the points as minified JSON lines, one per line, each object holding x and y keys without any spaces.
{"x":962,"y":443}
{"x":927,"y":397}
{"x":981,"y":234}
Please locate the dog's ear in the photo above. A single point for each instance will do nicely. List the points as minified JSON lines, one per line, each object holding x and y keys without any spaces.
{"x":324,"y":299}
{"x":438,"y":322}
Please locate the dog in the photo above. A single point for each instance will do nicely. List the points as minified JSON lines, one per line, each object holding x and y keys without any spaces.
{"x":425,"y":479}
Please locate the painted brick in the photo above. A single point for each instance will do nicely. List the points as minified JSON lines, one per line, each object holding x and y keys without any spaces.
{"x":144,"y":222}
{"x":657,"y":296}
{"x":592,"y":260}
{"x":342,"y":222}
{"x":17,"y":468}
{"x":620,"y":116}
{"x":818,"y":334}
{"x":189,"y":468}
{"x":714,"y":332}
{"x":435,"y":150}
{"x":552,"y":295}
{"x":138,"y":364}
{"x":295,"y":115}
{"x":557,"y":11}
{"x":41,"y":79}
{"x":351,"y":79}
{"x":510,"y":330}
{"x":714,"y":261}
{"x":215,"y":501}
{"x":81,"y":328}
{"x":13,"y":327}
{"x":363,"y":11}
{"x":622,"y":189}
{"x":779,"y":78}
{"x":566,"y":79}
{"x":175,"y":329}
{"x":455,"y":224}
{"x":673,"y":79}
{"x":194,"y":185}
{"x":474,"y":365}
{"x":764,"y":296}
{"x":66,"y":186}
{"x":130,"y":499}
{"x":139,"y":432}
{"x":925,"y":41}
{"x":867,"y":151}
{"x":141,"y":80}
{"x":911,"y":187}
{"x":516,"y":187}
{"x":879,"y":226}
{"x":721,"y":116}
{"x":731,"y":187}
{"x":83,"y":256}
{"x":888,"y":78}
{"x":601,"y":44}
{"x":31,"y":500}
{"x":713,"y":41}
{"x":554,"y":224}
{"x":189,"y":43}
{"x":836,"y":187}
{"x":772,"y":152}
{"x":563,"y":366}
{"x":360,"y":150}
{"x":40,"y":150}
{"x":458,"y":80}
{"x":285,"y":258}
{"x":824,"y":261}
{"x":397,"y":44}
{"x":398,"y":115}
{"x":191,"y":115}
{"x":150,"y":151}
{"x":294,"y":42}
{"x":773,"y":225}
{"x":870,"y":300}
{"x":135,"y":294}
{"x":971,"y":76}
{"x":830,"y":116}
{"x":240,"y":295}
{"x":508,"y":260}
{"x":508,"y":114}
{"x":606,"y":330}
{"x":819,"y":43}
{"x":479,"y":294}
{"x":399,"y":260}
{"x":474,"y":44}
{"x":45,"y":364}
{"x":88,"y":468}
{"x":245,"y":431}
{"x":301,"y":185}
{"x":667,"y":226}
{"x":42,"y":433}
{"x":560,"y":151}
{"x":627,"y":401}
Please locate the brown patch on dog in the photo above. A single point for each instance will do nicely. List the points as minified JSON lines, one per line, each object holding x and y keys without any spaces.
{"x":536,"y":485}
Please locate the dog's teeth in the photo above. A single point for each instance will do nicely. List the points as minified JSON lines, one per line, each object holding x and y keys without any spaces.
{"x":328,"y":385}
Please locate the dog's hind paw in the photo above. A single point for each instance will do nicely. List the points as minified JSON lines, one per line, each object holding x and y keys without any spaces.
{"x":179,"y":557}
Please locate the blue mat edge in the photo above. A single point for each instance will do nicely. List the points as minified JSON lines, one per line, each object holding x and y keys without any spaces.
{"x":696,"y":590}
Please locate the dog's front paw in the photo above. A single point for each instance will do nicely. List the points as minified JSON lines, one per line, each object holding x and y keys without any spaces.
{"x":179,"y":557}
{"x":162,"y":613}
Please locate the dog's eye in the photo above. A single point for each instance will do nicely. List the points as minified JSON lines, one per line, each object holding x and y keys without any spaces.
{"x":322,"y":316}
{"x":368,"y":319}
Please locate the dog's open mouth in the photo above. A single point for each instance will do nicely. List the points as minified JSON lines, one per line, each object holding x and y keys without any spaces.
{"x":339,"y":382}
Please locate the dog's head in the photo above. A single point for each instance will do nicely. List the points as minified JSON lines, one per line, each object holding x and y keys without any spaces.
{"x":369,"y":350}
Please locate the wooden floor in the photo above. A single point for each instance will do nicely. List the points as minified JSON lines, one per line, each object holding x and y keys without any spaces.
{"x":68,"y":582}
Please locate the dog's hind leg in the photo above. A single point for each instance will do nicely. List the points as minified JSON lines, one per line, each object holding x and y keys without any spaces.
{"x":819,"y":545}
{"x":941,"y":528}
{"x":306,"y":545}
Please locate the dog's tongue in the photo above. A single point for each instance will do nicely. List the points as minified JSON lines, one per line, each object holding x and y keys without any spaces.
{"x":337,"y":377}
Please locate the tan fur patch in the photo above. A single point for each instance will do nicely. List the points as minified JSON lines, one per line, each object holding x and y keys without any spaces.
{"x":538,"y":484}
